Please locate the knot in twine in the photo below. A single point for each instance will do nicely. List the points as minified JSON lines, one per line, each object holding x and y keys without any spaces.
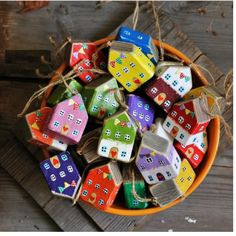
{"x":153,"y":200}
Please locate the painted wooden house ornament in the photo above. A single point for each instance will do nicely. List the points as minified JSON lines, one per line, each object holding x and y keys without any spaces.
{"x":159,"y":130}
{"x":186,"y":119}
{"x":69,"y":119}
{"x":139,"y":185}
{"x":86,"y":54}
{"x":62,"y":93}
{"x":157,"y":159}
{"x":141,"y":110}
{"x":87,"y":147}
{"x":170,"y":190}
{"x":99,"y":97}
{"x":61,"y":174}
{"x":195,"y":151}
{"x":101,"y":185}
{"x":129,"y":65}
{"x":118,"y":137}
{"x":32,"y":127}
{"x":141,"y":40}
{"x":171,"y":84}
{"x":216,"y":101}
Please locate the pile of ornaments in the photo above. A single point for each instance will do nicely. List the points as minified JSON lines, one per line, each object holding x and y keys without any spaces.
{"x":161,"y":134}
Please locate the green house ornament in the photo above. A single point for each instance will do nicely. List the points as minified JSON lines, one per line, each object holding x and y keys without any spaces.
{"x":62,"y":93}
{"x":130,"y":200}
{"x":118,"y":137}
{"x":99,"y":97}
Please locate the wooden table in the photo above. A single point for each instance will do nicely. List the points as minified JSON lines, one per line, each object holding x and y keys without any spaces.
{"x":27,"y":210}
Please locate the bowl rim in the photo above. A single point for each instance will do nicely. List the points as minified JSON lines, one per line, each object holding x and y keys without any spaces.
{"x":213,"y":127}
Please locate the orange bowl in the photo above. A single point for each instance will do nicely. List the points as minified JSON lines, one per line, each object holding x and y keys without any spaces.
{"x":213,"y":131}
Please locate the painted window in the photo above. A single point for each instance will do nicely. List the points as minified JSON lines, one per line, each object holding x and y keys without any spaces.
{"x":173,"y":113}
{"x":154,"y":90}
{"x":56,"y":123}
{"x":181,"y":136}
{"x":127,"y":137}
{"x":62,"y":174}
{"x":181,"y":89}
{"x":70,"y":117}
{"x":117,"y":134}
{"x":167,"y":103}
{"x":150,"y":178}
{"x":85,"y":193}
{"x":62,"y":113}
{"x":97,"y":186}
{"x":78,"y":121}
{"x":128,"y":84}
{"x":141,"y":115}
{"x":75,"y":132}
{"x":101,"y":202}
{"x":70,"y":169}
{"x":167,"y":76}
{"x":149,"y":160}
{"x":182,"y":179}
{"x":132,"y":65}
{"x":99,"y":97}
{"x":64,"y":157}
{"x":90,"y":182}
{"x":46,"y":166}
{"x":53,"y":177}
{"x":146,"y":107}
{"x":123,"y":154}
{"x":181,"y":119}
{"x":196,"y":157}
{"x":175,"y":83}
{"x":139,"y":104}
{"x":108,"y":132}
{"x":126,"y":70}
{"x":105,"y":190}
{"x":141,"y":75}
{"x":147,"y":118}
{"x":118,"y":74}
{"x":168,"y":173}
{"x":187,"y":126}
{"x":104,"y":149}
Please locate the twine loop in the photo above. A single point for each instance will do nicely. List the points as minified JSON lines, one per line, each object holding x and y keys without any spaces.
{"x":86,"y":143}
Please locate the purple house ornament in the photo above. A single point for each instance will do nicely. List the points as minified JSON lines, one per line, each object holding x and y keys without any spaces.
{"x":61,"y":175}
{"x":157,"y":159}
{"x":141,"y":110}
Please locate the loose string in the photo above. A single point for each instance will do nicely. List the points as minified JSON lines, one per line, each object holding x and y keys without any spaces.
{"x":211,"y":76}
{"x":135,"y":15}
{"x":157,"y":23}
{"x":68,"y":40}
{"x":62,"y":79}
{"x":228,"y":87}
{"x":153,"y":200}
{"x":86,"y":143}
{"x":121,"y":99}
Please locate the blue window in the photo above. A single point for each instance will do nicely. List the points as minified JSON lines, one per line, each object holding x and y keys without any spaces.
{"x":64,"y":157}
{"x":181,"y":89}
{"x":75,"y":132}
{"x":88,"y":77}
{"x":101,"y":202}
{"x":175,"y":82}
{"x":167,"y":76}
{"x":168,"y":173}
{"x":181,"y":136}
{"x":168,"y":124}
{"x":123,"y":154}
{"x":94,"y":108}
{"x":56,"y":123}
{"x":141,"y":75}
{"x":46,"y":166}
{"x":85,"y":193}
{"x":128,"y":84}
{"x":104,"y":149}
{"x":150,"y":178}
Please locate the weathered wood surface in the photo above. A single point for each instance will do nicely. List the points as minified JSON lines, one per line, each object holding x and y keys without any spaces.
{"x":20,"y":91}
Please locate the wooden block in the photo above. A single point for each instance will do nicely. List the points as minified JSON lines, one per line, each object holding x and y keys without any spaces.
{"x":139,"y":39}
{"x":215,"y":99}
{"x":157,"y":159}
{"x":101,"y":185}
{"x":89,"y":153}
{"x":170,"y":190}
{"x":187,"y":118}
{"x":139,"y":185}
{"x":195,"y":151}
{"x":118,"y":137}
{"x":62,"y":93}
{"x":129,"y":65}
{"x":33,"y":130}
{"x":62,"y":175}
{"x":69,"y":119}
{"x":99,"y":97}
{"x":172,"y":83}
{"x":161,"y":132}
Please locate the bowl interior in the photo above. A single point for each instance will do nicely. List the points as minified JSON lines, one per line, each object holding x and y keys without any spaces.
{"x":213,"y":131}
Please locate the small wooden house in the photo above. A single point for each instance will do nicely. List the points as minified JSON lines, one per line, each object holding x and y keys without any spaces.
{"x":129,"y":65}
{"x":118,"y":137}
{"x":141,"y":40}
{"x":195,"y":151}
{"x":157,"y":159}
{"x":186,"y":119}
{"x":33,"y":131}
{"x":141,"y":110}
{"x":101,"y":185}
{"x":170,"y":190}
{"x":69,"y":119}
{"x":99,"y":97}
{"x":61,"y":175}
{"x":216,"y":101}
{"x":62,"y":93}
{"x":78,"y":52}
{"x":171,"y":84}
{"x":131,"y":201}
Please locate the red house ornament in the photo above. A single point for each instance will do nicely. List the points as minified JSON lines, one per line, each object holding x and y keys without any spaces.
{"x":101,"y":185}
{"x":195,"y":151}
{"x":89,"y":58}
{"x":186,"y":119}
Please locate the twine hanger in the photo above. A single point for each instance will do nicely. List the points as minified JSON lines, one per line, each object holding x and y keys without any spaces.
{"x":153,"y":200}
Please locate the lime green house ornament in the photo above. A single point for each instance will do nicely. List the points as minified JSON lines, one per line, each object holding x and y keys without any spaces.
{"x":62,"y":93}
{"x":118,"y":137}
{"x":131,"y":201}
{"x":99,"y":97}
